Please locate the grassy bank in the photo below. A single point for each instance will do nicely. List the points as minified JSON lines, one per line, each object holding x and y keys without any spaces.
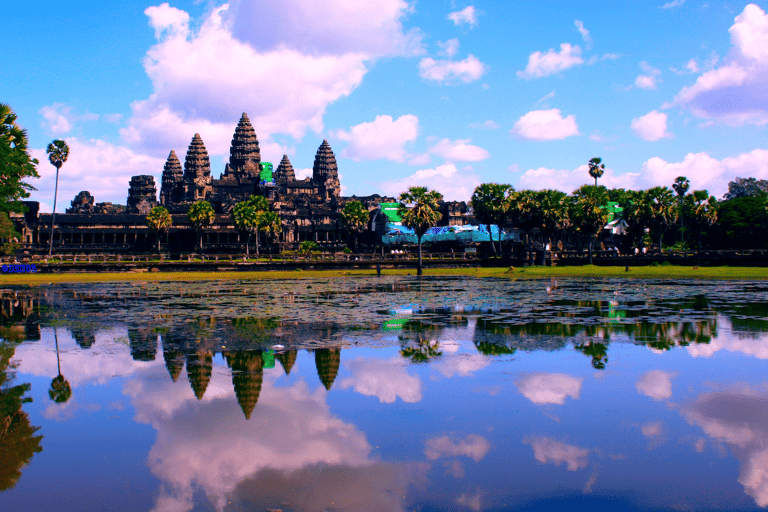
{"x":650,"y":272}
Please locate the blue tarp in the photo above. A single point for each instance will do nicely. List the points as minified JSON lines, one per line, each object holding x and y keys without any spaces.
{"x":464,"y":234}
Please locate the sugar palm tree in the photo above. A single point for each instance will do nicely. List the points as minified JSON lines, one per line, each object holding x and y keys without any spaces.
{"x":159,"y":221}
{"x":60,"y":390}
{"x":58,"y":152}
{"x":419,"y":211}
{"x":589,"y":213}
{"x":681,"y":186}
{"x":596,"y":168}
{"x":488,"y":204}
{"x":354,"y":219}
{"x":201,"y":215}
{"x":246,"y":220}
{"x":270,"y":225}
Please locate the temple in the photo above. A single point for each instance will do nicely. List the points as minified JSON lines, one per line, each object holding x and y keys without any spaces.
{"x":309,"y":208}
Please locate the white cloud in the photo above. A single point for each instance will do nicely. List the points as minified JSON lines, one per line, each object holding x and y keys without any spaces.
{"x":656,"y":384}
{"x":704,"y":172}
{"x":459,"y":150}
{"x":382,"y":138}
{"x":487,"y":125}
{"x":59,"y":118}
{"x":472,"y":446}
{"x":449,"y":48}
{"x":467,"y":15}
{"x":547,"y":450}
{"x":545,"y":125}
{"x":735,"y":93}
{"x":652,"y":126}
{"x":692,"y":66}
{"x":103,"y":168}
{"x":56,"y":118}
{"x":467,"y":70}
{"x":610,"y":56}
{"x":331,"y":27}
{"x":646,"y":81}
{"x":319,"y":51}
{"x":546,"y":97}
{"x":674,"y":3}
{"x":650,"y":79}
{"x":732,"y":341}
{"x":584,"y":33}
{"x":545,"y":64}
{"x":446,"y":179}
{"x":549,"y":388}
{"x":385,"y":379}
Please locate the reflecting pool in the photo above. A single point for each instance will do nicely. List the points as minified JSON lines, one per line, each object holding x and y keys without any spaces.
{"x":385,"y":394}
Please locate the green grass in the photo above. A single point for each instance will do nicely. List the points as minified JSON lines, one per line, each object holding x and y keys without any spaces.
{"x":650,"y":272}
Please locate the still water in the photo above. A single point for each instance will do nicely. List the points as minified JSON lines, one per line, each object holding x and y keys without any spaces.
{"x":385,"y":394}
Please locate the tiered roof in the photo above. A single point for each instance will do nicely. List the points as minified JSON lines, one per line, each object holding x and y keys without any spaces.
{"x":245,"y":145}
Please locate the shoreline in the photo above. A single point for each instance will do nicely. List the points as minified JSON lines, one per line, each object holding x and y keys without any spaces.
{"x":535,"y":272}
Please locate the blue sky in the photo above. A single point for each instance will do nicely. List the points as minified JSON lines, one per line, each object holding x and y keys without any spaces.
{"x":445,"y":94}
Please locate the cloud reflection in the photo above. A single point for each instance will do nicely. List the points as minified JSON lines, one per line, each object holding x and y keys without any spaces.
{"x":656,"y":384}
{"x":386,"y":379}
{"x":548,"y":450}
{"x":472,"y":446}
{"x":738,"y":418}
{"x":549,"y":388}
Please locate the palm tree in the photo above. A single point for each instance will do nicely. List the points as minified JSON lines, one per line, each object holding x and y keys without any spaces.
{"x":246,"y":220}
{"x":270,"y":225}
{"x":260,"y":206}
{"x":354,"y":218}
{"x":159,"y":221}
{"x":660,"y":201}
{"x":419,"y":211}
{"x":702,"y":209}
{"x":596,"y":168}
{"x":58,"y":152}
{"x":60,"y":390}
{"x":488,"y":205}
{"x":17,"y":163}
{"x":590,"y":214}
{"x":201,"y":215}
{"x":681,"y":186}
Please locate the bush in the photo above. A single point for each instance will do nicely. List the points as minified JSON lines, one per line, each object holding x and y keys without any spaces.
{"x":347,"y":250}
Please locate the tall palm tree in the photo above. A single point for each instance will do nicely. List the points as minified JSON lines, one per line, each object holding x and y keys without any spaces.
{"x":159,"y":221}
{"x":246,"y":220}
{"x":660,"y":201}
{"x":590,"y":214}
{"x":58,"y":152}
{"x":419,"y":211}
{"x":354,"y":218}
{"x":270,"y":225}
{"x":201,"y":215}
{"x":681,"y":186}
{"x":596,"y":168}
{"x":488,"y":204}
{"x":60,"y":390}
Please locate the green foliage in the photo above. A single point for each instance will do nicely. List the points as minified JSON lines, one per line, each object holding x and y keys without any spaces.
{"x":159,"y":221}
{"x":307,"y":246}
{"x":419,"y":210}
{"x":489,"y":205}
{"x":347,"y":250}
{"x":201,"y":215}
{"x":16,"y":164}
{"x":742,"y":223}
{"x":354,"y":217}
{"x":9,"y":237}
{"x":746,"y":187}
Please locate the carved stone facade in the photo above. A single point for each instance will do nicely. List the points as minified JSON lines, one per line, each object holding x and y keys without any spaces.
{"x":309,"y":209}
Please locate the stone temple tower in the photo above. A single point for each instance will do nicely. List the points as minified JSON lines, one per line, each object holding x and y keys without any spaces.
{"x":284,"y":172}
{"x":325,"y":172}
{"x":197,"y":171}
{"x":244,"y":153}
{"x":171,"y":185}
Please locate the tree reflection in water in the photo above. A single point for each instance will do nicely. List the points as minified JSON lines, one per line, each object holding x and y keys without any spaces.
{"x":17,"y":440}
